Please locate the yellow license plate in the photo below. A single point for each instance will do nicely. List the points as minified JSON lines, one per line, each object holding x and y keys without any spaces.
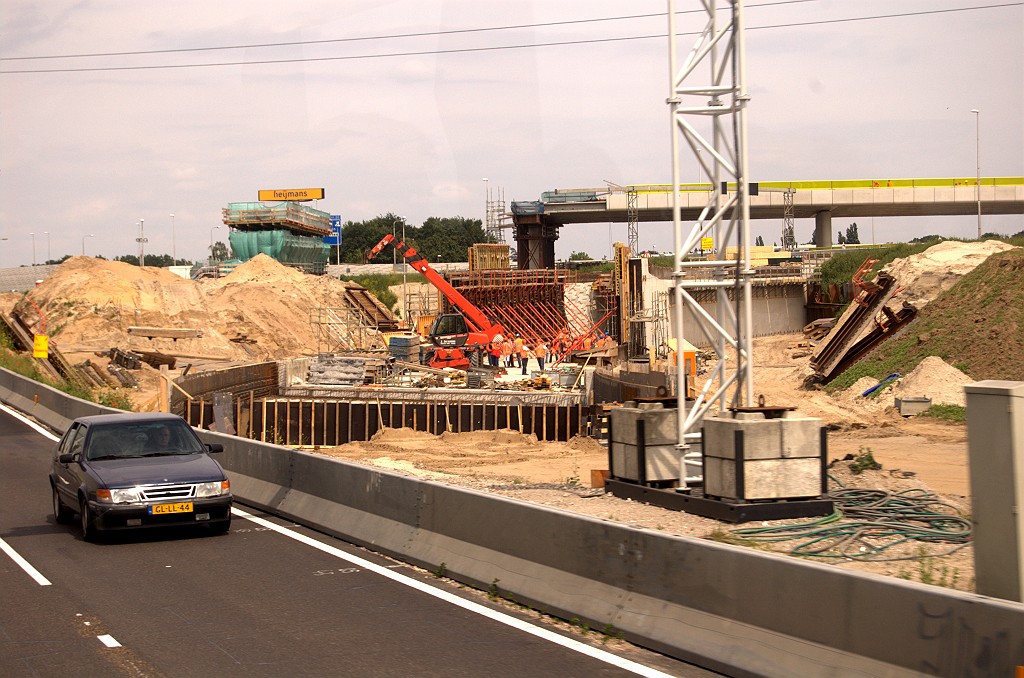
{"x":160,"y":509}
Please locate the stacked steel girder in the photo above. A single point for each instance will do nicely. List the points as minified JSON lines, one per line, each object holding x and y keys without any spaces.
{"x":868,"y":321}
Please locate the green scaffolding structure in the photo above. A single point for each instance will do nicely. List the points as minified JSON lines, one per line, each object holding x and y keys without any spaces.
{"x":287,"y":232}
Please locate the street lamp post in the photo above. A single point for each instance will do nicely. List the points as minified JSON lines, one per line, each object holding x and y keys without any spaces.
{"x":33,"y":234}
{"x":487,"y":205}
{"x":47,"y":234}
{"x":174,"y":249}
{"x":3,"y":239}
{"x":977,"y":153}
{"x":91,"y":235}
{"x":142,"y":242}
{"x":211,"y":240}
{"x":405,"y":292}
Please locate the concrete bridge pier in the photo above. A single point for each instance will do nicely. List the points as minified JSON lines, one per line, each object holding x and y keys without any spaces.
{"x":535,"y":242}
{"x":823,"y":229}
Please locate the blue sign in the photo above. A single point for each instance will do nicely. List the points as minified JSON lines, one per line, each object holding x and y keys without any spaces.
{"x":334,"y":239}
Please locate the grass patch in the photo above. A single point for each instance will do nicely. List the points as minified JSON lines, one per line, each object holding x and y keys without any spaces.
{"x":954,"y":413}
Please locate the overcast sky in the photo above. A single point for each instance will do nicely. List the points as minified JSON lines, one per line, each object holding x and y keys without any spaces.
{"x":413,"y":125}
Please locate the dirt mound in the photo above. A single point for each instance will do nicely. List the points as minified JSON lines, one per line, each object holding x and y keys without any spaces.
{"x":402,"y":435}
{"x":977,"y":325}
{"x":260,"y":311}
{"x":934,"y":378}
{"x":504,"y":437}
{"x":927,"y":275}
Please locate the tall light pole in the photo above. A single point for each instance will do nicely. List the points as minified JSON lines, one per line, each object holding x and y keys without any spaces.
{"x":47,"y":234}
{"x":174,"y":250}
{"x":405,"y":274}
{"x":487,"y":203}
{"x":91,"y":235}
{"x":33,"y":234}
{"x":142,"y":242}
{"x":977,"y":153}
{"x":2,"y":240}
{"x":211,"y":240}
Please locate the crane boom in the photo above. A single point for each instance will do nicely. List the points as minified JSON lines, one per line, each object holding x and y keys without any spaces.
{"x":474,"y":316}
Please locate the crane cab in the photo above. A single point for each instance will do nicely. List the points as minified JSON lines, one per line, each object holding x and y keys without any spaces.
{"x":449,"y":330}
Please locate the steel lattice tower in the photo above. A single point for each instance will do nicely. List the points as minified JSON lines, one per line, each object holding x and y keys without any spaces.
{"x":716,"y":96}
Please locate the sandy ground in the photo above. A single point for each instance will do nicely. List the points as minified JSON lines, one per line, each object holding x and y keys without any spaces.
{"x":915,"y":453}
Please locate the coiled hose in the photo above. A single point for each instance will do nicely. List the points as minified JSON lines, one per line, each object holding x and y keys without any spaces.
{"x":867,"y":523}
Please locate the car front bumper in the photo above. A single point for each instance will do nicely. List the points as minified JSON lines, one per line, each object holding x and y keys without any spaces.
{"x":137,"y":516}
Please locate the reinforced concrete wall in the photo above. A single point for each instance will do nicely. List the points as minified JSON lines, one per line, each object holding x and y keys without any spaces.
{"x":725,"y":607}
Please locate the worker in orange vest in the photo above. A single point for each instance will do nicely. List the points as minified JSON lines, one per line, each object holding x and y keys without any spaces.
{"x":517,"y":348}
{"x":541,"y":351}
{"x":506,"y":352}
{"x":524,"y":357}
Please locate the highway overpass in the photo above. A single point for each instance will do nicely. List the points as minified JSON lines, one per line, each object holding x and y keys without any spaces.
{"x":537,"y":223}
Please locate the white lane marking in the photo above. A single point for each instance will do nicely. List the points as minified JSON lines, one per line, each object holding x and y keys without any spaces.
{"x":526,"y":627}
{"x":15,"y":556}
{"x":23,"y":564}
{"x":108,"y":640}
{"x":25,"y":420}
{"x":482,"y":610}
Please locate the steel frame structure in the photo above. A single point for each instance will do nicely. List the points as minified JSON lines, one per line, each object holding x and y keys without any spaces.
{"x":721,"y":98}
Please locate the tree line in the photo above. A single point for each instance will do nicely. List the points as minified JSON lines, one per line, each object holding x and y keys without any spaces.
{"x":438,"y":239}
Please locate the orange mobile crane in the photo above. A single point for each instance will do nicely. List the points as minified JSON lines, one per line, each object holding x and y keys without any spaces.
{"x":458,"y":338}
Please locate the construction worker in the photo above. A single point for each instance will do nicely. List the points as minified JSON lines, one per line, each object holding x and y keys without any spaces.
{"x":517,"y":348}
{"x":494,"y":352}
{"x":541,"y":351}
{"x":524,"y":357}
{"x":588,"y":342}
{"x":506,"y":352}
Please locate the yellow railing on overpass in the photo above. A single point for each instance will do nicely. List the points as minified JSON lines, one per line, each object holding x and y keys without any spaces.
{"x":831,"y":185}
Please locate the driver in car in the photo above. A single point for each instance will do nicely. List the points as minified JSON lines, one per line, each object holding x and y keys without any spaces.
{"x":160,"y":439}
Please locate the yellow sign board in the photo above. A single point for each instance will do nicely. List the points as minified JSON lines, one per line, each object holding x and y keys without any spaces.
{"x":41,"y":346}
{"x":707,"y":243}
{"x":292,"y":194}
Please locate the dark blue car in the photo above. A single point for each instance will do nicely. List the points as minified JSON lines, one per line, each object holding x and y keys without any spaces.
{"x":130,"y":471}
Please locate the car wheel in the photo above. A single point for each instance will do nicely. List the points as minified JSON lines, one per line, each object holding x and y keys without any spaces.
{"x":61,"y":513}
{"x":88,"y":529}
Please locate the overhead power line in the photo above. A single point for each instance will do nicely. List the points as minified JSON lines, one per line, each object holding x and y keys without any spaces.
{"x":432,"y":52}
{"x":388,"y":36}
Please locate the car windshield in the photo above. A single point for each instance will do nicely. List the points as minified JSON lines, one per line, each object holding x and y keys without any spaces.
{"x":141,"y":439}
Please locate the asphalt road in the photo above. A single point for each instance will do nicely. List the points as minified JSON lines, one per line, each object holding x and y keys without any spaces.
{"x":268,"y":598}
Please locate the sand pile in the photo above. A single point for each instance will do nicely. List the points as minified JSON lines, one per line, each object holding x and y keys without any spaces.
{"x":927,"y":275}
{"x":89,"y":304}
{"x":934,"y":378}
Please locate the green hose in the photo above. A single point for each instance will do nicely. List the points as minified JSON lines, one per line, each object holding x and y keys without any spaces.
{"x":866,"y":523}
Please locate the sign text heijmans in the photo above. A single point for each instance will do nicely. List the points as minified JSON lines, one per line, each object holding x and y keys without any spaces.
{"x":292,"y":194}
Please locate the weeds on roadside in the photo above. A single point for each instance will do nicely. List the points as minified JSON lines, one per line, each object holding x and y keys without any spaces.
{"x":864,"y":461}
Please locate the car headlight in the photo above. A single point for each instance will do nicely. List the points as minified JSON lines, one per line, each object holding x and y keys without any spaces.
{"x":121,"y":495}
{"x":217,"y":488}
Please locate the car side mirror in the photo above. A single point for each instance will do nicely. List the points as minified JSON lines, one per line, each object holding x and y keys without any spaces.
{"x":214,"y":447}
{"x":66,"y":458}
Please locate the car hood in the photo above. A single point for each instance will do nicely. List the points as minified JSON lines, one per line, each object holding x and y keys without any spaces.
{"x":190,"y":468}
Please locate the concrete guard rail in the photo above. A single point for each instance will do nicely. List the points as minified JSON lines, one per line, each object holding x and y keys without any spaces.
{"x":728,"y":608}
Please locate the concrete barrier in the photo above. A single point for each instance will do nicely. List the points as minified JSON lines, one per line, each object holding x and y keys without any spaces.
{"x":50,"y":406}
{"x":728,"y":608}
